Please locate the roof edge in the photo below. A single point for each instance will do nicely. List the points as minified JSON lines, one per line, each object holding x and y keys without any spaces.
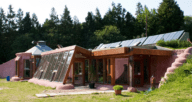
{"x":59,"y":50}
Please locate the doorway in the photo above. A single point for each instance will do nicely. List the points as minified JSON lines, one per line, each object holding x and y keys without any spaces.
{"x":27,"y":69}
{"x":138,"y":73}
{"x":78,"y":66}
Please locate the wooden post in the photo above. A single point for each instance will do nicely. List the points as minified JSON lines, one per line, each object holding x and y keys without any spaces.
{"x":90,"y":65}
{"x":34,"y":65}
{"x":142,"y":72}
{"x":107,"y":69}
{"x":149,"y":67}
{"x":83,"y":71}
{"x":97,"y":70}
{"x":73,"y":78}
{"x":131,"y":71}
{"x":112,"y":71}
{"x":104,"y":71}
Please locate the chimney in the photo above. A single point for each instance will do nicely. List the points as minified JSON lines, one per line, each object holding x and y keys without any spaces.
{"x":41,"y":42}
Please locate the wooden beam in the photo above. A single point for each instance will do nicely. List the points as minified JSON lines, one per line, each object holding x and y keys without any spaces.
{"x":104,"y":70}
{"x":97,"y":70}
{"x":114,"y":51}
{"x":73,"y":78}
{"x":34,"y":65}
{"x":90,"y":65}
{"x":83,"y":72}
{"x":131,"y":71}
{"x":112,"y":71}
{"x":141,"y":51}
{"x":107,"y":69}
{"x":79,"y":59}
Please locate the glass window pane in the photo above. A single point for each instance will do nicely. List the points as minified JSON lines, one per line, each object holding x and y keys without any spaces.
{"x":66,"y":65}
{"x":60,"y":67}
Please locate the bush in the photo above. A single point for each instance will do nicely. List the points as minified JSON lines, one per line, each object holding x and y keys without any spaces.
{"x":118,"y":87}
{"x":174,"y":43}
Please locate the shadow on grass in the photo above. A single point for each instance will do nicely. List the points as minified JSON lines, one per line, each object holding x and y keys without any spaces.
{"x":125,"y":95}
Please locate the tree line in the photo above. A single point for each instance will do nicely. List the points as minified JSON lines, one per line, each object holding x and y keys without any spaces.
{"x":17,"y":32}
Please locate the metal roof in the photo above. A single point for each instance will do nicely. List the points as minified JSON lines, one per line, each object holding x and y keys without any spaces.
{"x":39,"y":48}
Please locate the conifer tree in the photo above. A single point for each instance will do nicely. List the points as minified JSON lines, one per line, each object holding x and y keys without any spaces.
{"x":170,"y":16}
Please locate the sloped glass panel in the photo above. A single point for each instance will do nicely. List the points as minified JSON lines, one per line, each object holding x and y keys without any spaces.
{"x":153,"y":39}
{"x":134,"y":41}
{"x":123,"y":43}
{"x":126,"y":43}
{"x":44,"y":68}
{"x":99,"y":46}
{"x":166,"y":36}
{"x":137,"y":41}
{"x":142,"y":40}
{"x":47,"y":73}
{"x":171,"y":35}
{"x":148,"y":40}
{"x":39,"y":67}
{"x":105,"y":46}
{"x":66,"y":65}
{"x":60,"y":68}
{"x":178,"y":35}
{"x":59,"y":60}
{"x":55,"y":58}
{"x":113,"y":45}
{"x":160,"y":37}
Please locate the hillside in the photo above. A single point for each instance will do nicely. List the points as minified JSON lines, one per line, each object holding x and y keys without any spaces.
{"x":178,"y":87}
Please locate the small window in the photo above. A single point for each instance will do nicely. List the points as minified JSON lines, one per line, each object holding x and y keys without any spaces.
{"x":37,"y":61}
{"x":78,"y":68}
{"x":27,"y":68}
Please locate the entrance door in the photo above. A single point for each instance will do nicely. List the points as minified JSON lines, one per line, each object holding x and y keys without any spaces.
{"x":27,"y":69}
{"x":138,"y":73}
{"x":78,"y":73}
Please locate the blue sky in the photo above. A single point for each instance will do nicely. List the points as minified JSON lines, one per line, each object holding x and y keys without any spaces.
{"x":80,"y":8}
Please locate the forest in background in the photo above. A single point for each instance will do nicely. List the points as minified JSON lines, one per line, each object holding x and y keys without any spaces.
{"x":17,"y":32}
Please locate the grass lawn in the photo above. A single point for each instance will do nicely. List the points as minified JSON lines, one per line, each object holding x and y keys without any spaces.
{"x":25,"y":92}
{"x":177,"y":89}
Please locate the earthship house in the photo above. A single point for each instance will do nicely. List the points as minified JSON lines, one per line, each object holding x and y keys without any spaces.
{"x":130,"y":62}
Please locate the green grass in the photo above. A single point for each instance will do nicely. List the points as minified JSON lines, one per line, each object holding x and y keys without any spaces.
{"x":178,"y":88}
{"x":25,"y":92}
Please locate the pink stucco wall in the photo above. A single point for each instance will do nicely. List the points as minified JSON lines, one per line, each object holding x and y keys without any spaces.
{"x":119,"y":66}
{"x":159,"y":64}
{"x":7,"y":69}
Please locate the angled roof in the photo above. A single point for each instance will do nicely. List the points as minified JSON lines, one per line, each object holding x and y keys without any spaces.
{"x":39,"y":48}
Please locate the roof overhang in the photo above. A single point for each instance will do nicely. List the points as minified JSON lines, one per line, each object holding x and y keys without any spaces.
{"x":17,"y":58}
{"x":114,"y":51}
{"x":129,"y":51}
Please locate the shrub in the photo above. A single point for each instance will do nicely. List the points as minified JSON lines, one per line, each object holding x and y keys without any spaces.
{"x":174,"y":43}
{"x":118,"y":87}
